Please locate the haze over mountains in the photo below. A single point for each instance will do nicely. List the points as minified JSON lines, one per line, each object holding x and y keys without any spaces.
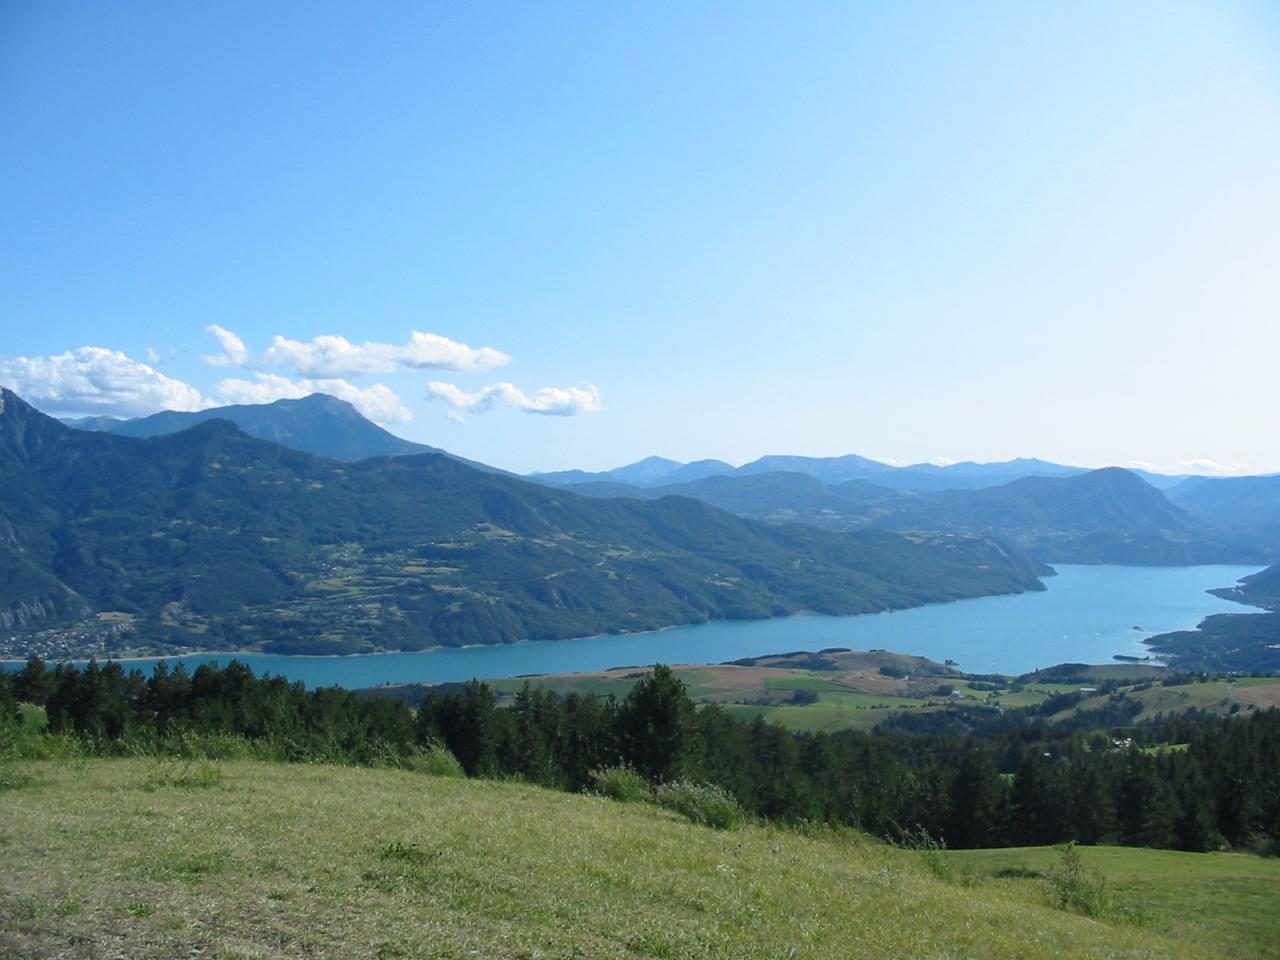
{"x":327,"y":427}
{"x":1102,"y":516}
{"x":211,"y":538}
{"x":1057,"y":513}
{"x":967,"y":475}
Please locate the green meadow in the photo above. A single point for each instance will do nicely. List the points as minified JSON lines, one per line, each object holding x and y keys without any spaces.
{"x":147,"y":858}
{"x":1229,"y":901}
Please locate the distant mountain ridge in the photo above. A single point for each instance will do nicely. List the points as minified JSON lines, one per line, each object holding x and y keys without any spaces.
{"x":1231,"y":501}
{"x":209,"y":538}
{"x":1058,"y":513}
{"x":919,"y":477}
{"x":1101,"y":516}
{"x":319,"y":424}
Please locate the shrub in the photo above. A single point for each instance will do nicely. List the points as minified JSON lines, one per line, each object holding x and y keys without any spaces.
{"x":704,"y":804}
{"x":622,"y":783}
{"x":933,"y":853}
{"x":1072,"y":887}
{"x":437,"y":761}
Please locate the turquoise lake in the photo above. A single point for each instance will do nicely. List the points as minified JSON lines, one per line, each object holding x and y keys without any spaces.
{"x":1088,"y":614}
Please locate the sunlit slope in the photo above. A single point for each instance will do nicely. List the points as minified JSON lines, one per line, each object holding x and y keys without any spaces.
{"x":106,"y":858}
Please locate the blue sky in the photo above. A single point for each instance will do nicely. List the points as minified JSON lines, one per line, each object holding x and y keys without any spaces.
{"x":911,"y":231}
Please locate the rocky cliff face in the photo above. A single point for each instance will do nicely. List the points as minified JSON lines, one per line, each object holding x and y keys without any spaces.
{"x":32,"y":611}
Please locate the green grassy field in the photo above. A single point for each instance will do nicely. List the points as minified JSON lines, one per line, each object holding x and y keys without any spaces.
{"x":145,"y":858}
{"x":1227,"y":900}
{"x":852,"y":693}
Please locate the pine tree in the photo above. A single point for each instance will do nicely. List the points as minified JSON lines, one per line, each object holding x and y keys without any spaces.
{"x":657,"y":730}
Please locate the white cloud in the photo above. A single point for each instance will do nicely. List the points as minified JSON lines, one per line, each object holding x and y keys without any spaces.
{"x":94,"y":380}
{"x":335,"y":356}
{"x":553,"y":401}
{"x":234,"y":353}
{"x":1204,"y":468}
{"x":378,"y":402}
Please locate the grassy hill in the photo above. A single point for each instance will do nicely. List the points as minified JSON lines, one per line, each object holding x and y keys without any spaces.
{"x":1228,"y":900}
{"x":143,"y":858}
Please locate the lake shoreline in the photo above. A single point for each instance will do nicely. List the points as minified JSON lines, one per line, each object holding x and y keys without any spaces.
{"x":1086,"y":614}
{"x":135,"y":656}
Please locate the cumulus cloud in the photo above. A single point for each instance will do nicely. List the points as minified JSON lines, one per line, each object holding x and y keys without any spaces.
{"x":551,"y":401}
{"x":94,"y":380}
{"x":378,"y":402}
{"x":335,"y":356}
{"x":234,"y":353}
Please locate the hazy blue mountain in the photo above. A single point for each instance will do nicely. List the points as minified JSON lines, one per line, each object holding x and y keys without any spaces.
{"x":564,"y":478}
{"x":645,"y":472}
{"x":968,"y":475}
{"x":1103,"y":516}
{"x":1012,"y":469}
{"x":775,"y":497}
{"x":319,"y":424}
{"x":1231,"y":501}
{"x":917,"y":477}
{"x":697,"y":470}
{"x":1100,"y":516}
{"x":1164,"y":481}
{"x":211,"y":538}
{"x":642,"y":473}
{"x":826,"y":469}
{"x":798,"y":498}
{"x":104,"y":424}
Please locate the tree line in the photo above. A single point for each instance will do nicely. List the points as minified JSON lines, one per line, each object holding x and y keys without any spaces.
{"x":1194,"y":782}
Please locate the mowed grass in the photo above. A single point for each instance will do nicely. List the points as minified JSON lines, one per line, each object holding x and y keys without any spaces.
{"x":1224,"y":900}
{"x":148,"y":859}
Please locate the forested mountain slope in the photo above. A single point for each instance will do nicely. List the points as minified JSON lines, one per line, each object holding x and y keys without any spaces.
{"x":209,"y":538}
{"x":1103,"y":516}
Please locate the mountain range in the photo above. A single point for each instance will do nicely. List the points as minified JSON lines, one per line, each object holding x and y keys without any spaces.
{"x":1231,"y":501}
{"x":327,"y":427}
{"x":210,"y":538}
{"x":1101,"y":516}
{"x":318,"y":424}
{"x":1058,"y":513}
{"x":920,"y":477}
